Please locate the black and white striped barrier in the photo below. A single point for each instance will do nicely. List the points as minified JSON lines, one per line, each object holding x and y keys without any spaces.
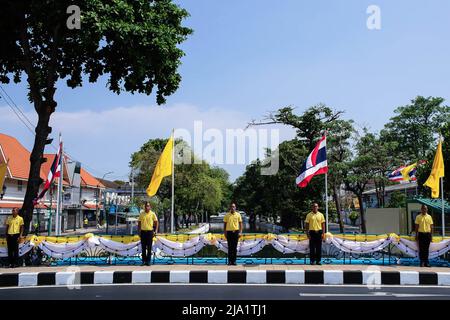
{"x":325,"y":277}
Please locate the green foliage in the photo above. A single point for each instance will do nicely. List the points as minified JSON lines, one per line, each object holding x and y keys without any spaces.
{"x":423,"y":171}
{"x":135,"y":42}
{"x":353,"y":215}
{"x":397,"y":200}
{"x":199,"y":187}
{"x":131,"y":43}
{"x":273,"y":196}
{"x":415,"y":126}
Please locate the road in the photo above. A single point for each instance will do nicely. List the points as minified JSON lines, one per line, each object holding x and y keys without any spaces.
{"x":225,"y":292}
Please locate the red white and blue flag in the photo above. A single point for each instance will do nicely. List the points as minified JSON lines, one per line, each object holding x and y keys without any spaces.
{"x":397,"y":175}
{"x":55,"y":172}
{"x":315,"y":164}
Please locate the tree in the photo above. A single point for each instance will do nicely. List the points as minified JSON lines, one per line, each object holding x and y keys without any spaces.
{"x":338,"y":152}
{"x":360,"y":170}
{"x":397,"y":200}
{"x":134,"y":42}
{"x":423,"y":171}
{"x":415,"y":126}
{"x":199,"y":188}
{"x":277,"y":196}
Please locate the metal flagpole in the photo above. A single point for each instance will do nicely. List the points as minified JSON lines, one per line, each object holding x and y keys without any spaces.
{"x":326,"y":201}
{"x":58,"y":197}
{"x":172,"y":214}
{"x":443,"y":213}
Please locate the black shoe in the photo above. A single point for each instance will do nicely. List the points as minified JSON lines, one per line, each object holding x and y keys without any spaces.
{"x":234,"y":264}
{"x":427,"y":265}
{"x":318,"y":263}
{"x":422,"y":264}
{"x":311,"y":263}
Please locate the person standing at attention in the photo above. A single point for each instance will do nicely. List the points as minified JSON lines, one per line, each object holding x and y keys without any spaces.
{"x":424,"y":235}
{"x":315,"y":228}
{"x":14,"y":234}
{"x":147,"y":228}
{"x":232,"y":227}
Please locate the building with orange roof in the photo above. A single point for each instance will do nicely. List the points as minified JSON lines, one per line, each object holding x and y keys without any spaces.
{"x":81,"y":191}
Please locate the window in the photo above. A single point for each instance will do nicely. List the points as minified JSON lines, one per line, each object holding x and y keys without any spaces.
{"x":19,"y":185}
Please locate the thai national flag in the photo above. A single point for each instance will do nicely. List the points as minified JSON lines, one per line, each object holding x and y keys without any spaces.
{"x":55,"y":172}
{"x":396,"y":175}
{"x":315,"y":164}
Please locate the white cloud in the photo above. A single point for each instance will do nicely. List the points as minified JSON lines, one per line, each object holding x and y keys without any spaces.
{"x":104,"y":140}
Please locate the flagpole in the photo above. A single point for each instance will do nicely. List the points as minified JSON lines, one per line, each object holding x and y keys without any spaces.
{"x":172,"y":213}
{"x":58,"y":198}
{"x":443,"y":213}
{"x":326,"y":201}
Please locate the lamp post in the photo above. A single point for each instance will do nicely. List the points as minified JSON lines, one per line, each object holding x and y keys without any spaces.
{"x":104,"y":202}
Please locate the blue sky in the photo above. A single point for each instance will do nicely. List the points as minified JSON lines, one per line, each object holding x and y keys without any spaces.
{"x":246,"y":58}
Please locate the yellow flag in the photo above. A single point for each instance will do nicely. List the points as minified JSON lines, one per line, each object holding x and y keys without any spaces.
{"x":406,"y":170}
{"x":437,"y":171}
{"x":3,"y":168}
{"x":163,"y":168}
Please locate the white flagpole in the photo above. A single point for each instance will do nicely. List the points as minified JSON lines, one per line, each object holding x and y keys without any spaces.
{"x":443,"y":211}
{"x":326,"y":201}
{"x":58,"y":201}
{"x":172,"y":213}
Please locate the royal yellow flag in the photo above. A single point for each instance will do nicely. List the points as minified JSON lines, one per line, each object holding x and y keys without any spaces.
{"x":406,"y":170}
{"x":437,"y":172}
{"x":163,"y":168}
{"x":3,"y":168}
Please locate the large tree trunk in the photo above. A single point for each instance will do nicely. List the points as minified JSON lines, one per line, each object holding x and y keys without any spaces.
{"x":361,"y":214}
{"x":34,"y":179}
{"x":337,"y":201}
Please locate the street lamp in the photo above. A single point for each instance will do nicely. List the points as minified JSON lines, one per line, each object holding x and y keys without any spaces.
{"x":104,"y":203}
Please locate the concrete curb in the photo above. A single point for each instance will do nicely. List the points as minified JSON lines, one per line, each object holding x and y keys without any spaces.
{"x":324,"y":277}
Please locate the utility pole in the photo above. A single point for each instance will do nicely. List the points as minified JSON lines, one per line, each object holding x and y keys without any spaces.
{"x":132,"y":185}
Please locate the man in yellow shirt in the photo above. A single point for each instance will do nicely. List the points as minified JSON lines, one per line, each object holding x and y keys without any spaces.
{"x":147,"y":228}
{"x":232,"y":226}
{"x":14,"y":232}
{"x":424,"y":234}
{"x":315,"y":230}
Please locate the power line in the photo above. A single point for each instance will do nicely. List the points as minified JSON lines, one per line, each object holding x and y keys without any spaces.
{"x":18,"y":108}
{"x":20,"y":115}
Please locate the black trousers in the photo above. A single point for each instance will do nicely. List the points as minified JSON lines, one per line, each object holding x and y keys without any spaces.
{"x":146,"y":243}
{"x":424,"y":239}
{"x":315,"y":245}
{"x":13,"y":248}
{"x":232,"y":239}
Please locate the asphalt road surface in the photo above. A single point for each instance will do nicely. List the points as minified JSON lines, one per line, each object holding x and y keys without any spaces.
{"x":225,"y":292}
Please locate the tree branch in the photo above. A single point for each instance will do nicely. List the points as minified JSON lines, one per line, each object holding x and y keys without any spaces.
{"x":28,"y":65}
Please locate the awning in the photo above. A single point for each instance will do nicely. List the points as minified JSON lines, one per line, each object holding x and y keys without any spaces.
{"x":435,"y":204}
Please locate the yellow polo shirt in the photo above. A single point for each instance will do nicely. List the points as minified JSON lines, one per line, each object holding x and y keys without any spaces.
{"x":424,"y":222}
{"x":232,"y":220}
{"x":315,"y":221}
{"x":146,"y":219}
{"x":14,"y":224}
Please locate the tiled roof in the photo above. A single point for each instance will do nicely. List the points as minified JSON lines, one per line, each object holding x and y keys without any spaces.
{"x":19,"y":163}
{"x":19,"y":157}
{"x":88,"y":180}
